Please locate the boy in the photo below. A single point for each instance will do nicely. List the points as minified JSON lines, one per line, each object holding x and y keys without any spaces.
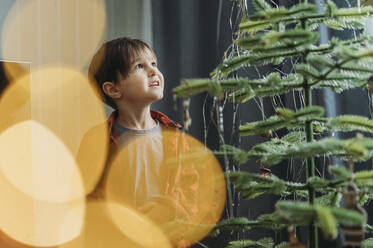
{"x":126,"y":74}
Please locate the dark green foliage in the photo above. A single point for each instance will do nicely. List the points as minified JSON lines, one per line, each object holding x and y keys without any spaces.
{"x":270,"y":36}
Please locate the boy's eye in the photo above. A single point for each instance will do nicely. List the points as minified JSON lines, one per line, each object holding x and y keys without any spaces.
{"x":154,"y":64}
{"x":139,"y":66}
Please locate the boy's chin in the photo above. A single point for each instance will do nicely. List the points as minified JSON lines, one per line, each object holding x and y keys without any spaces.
{"x":156,"y":98}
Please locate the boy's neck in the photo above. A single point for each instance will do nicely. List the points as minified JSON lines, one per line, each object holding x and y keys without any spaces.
{"x":135,"y":118}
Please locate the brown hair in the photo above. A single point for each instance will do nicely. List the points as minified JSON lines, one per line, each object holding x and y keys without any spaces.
{"x":115,"y":56}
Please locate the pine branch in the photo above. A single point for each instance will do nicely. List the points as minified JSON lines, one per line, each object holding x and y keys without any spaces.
{"x":368,"y":243}
{"x":328,"y":48}
{"x":238,"y":224}
{"x":302,"y":213}
{"x":361,"y":178}
{"x":270,"y":53}
{"x":331,"y":199}
{"x":274,"y":41}
{"x":333,"y":17}
{"x":350,"y":123}
{"x":364,"y":178}
{"x":261,"y":5}
{"x":339,"y":172}
{"x":345,"y":56}
{"x":283,"y":245}
{"x":235,"y":63}
{"x":348,"y":217}
{"x":189,"y":87}
{"x":298,"y":10}
{"x":284,"y":118}
{"x":283,"y":86}
{"x":252,"y":185}
{"x":368,"y":228}
{"x":344,"y":17}
{"x":297,"y":213}
{"x":243,"y":88}
{"x":274,"y":151}
{"x":327,"y":222}
{"x":262,"y":243}
{"x":341,"y":84}
{"x":339,"y":76}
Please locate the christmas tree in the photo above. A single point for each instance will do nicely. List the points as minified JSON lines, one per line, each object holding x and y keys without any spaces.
{"x":273,"y":35}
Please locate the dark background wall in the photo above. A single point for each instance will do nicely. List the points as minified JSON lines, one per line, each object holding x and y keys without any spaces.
{"x":185,"y":40}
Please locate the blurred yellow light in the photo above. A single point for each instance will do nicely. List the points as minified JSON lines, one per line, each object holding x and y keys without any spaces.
{"x":62,"y":100}
{"x":38,"y":178}
{"x":66,"y":32}
{"x":136,"y":227}
{"x":190,"y":185}
{"x":108,"y":224}
{"x":36,"y":162}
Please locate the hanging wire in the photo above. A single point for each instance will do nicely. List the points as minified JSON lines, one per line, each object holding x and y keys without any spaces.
{"x":204,"y":121}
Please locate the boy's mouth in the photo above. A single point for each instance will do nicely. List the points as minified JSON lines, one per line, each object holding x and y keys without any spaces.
{"x":154,"y":83}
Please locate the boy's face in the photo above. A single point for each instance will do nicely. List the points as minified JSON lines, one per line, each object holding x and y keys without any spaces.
{"x":144,"y":83}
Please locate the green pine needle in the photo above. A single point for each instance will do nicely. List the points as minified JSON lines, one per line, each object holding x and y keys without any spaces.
{"x":364,"y":178}
{"x":331,"y":199}
{"x":277,"y":41}
{"x":252,"y":185}
{"x":284,"y":118}
{"x":368,"y":243}
{"x":270,"y":14}
{"x":252,"y":27}
{"x":339,"y":172}
{"x":350,"y":123}
{"x":348,"y":217}
{"x":262,"y":243}
{"x":298,"y":213}
{"x":327,"y":222}
{"x":274,"y":151}
{"x":283,"y":245}
{"x":236,"y":224}
{"x":261,"y":5}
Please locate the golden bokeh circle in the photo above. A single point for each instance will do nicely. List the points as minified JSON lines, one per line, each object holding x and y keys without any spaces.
{"x":183,"y":192}
{"x":45,"y":32}
{"x":42,"y":200}
{"x":62,"y":100}
{"x":134,"y":225}
{"x":108,"y":224}
{"x":36,"y":162}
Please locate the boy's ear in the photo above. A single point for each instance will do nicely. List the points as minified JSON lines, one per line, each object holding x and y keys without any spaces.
{"x":111,"y":90}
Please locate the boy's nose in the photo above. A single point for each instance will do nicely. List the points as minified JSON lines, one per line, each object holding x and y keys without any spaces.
{"x":152,"y":72}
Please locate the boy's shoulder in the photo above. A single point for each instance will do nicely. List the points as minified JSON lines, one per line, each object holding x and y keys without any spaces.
{"x":164,"y":119}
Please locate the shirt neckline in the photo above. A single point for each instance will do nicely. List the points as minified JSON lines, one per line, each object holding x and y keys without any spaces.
{"x":120,"y":129}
